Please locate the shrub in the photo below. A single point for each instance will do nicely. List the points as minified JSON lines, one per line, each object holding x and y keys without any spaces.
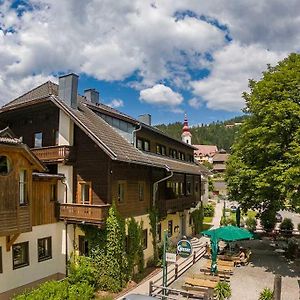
{"x":291,"y":248}
{"x":60,"y":290}
{"x":287,"y":225}
{"x":268,"y":219}
{"x":222,"y":290}
{"x":208,"y":210}
{"x":251,"y":223}
{"x":266,"y":294}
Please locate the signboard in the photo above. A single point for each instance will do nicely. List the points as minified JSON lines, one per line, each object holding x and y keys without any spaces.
{"x":170,"y":257}
{"x":184,"y":248}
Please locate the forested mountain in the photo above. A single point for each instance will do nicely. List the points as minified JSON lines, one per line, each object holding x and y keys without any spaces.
{"x":215,"y":133}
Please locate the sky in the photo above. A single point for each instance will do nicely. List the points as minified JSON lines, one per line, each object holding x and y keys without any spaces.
{"x":166,"y":57}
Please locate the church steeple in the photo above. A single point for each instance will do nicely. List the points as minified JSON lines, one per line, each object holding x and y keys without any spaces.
{"x":186,"y":135}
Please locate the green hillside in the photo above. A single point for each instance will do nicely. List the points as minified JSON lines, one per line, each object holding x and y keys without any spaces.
{"x":215,"y":133}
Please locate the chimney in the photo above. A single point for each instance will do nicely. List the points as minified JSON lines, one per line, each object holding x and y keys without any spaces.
{"x":146,"y":118}
{"x":92,"y":95}
{"x":67,"y":89}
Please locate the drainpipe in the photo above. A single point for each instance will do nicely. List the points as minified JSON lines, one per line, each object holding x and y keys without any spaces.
{"x":66,"y":226}
{"x":155,"y":184}
{"x":134,"y":135}
{"x":66,"y":188}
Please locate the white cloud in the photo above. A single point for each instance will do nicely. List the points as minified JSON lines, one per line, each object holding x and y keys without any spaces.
{"x":115,"y":103}
{"x":195,"y":103}
{"x":160,"y":94}
{"x":233,"y":67}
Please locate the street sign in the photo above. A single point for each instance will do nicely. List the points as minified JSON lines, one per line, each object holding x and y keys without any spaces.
{"x":184,"y":248}
{"x":170,"y":257}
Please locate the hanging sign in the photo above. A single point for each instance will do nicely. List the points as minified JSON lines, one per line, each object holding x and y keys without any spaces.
{"x":184,"y":248}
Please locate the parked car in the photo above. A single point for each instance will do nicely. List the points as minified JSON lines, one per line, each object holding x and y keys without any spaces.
{"x":278,"y":217}
{"x":233,"y":208}
{"x":138,"y":297}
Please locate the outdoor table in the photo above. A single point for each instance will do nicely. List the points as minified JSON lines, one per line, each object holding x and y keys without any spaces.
{"x":201,"y":282}
{"x":220,"y":268}
{"x":224,"y":263}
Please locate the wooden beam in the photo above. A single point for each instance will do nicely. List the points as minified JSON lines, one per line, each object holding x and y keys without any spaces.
{"x":10,"y":241}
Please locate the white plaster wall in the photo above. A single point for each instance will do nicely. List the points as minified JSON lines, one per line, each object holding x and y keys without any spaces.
{"x":66,"y":130}
{"x":65,"y":194}
{"x":10,"y":278}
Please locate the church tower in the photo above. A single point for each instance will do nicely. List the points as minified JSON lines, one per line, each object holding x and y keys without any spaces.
{"x":186,"y":135}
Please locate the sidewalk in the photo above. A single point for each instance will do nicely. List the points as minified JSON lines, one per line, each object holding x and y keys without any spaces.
{"x":143,"y":288}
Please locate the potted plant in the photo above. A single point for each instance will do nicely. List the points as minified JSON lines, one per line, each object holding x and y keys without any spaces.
{"x":266,"y":294}
{"x":222,"y":290}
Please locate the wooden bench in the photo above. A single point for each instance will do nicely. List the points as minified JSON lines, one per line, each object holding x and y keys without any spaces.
{"x":224,"y":276}
{"x":200,"y":282}
{"x":205,"y":276}
{"x":221,"y":268}
{"x":199,"y":292}
{"x":224,"y":263}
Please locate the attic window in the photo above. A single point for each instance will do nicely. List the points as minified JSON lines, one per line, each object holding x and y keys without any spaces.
{"x":5,"y":165}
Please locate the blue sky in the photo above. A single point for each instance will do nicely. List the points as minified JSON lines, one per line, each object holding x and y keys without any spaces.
{"x":159,"y":57}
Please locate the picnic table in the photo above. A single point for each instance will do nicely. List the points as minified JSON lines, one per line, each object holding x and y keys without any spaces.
{"x":225,"y":269}
{"x":201,"y":282}
{"x":221,"y":262}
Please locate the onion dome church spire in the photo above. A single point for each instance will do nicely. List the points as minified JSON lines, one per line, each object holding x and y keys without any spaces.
{"x":186,"y":135}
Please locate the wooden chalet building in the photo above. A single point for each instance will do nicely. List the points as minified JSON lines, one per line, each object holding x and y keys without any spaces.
{"x":30,"y":235}
{"x":105,"y":156}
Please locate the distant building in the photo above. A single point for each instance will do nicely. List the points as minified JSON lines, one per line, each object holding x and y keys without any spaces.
{"x":219,"y":161}
{"x":186,"y":135}
{"x":205,"y":153}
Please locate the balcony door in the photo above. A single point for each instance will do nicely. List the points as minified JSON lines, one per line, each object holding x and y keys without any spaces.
{"x":84,"y":192}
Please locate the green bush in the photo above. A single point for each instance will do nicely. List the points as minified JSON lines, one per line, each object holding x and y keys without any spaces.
{"x":251,"y":223}
{"x":268,"y":219}
{"x":222,"y":290}
{"x":208,"y":210}
{"x":287,"y":224}
{"x":59,"y":290}
{"x":266,"y":294}
{"x":291,"y":248}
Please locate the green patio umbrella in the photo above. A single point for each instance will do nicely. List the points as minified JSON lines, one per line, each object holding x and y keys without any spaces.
{"x":214,"y":254}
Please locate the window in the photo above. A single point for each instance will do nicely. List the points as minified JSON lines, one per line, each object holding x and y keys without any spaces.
{"x":140,"y":144}
{"x":145,"y":239}
{"x":83,"y":246}
{"x":38,"y":140}
{"x":181,"y":155}
{"x":160,"y":149}
{"x":1,"y":267}
{"x":170,"y":228}
{"x":56,"y":137}
{"x":181,"y":189}
{"x":53,"y":192}
{"x":23,"y":187}
{"x":85,"y":192}
{"x":141,"y":187}
{"x":147,"y":146}
{"x":121,"y":191}
{"x":44,"y":249}
{"x":196,"y":187}
{"x":5,"y":165}
{"x":173,"y":153}
{"x":188,"y":188}
{"x":191,"y":158}
{"x":20,"y":254}
{"x":159,"y":232}
{"x":190,"y":220}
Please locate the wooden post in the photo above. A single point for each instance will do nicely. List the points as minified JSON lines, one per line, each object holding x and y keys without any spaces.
{"x":277,"y":287}
{"x":176,"y":271}
{"x":150,"y":287}
{"x":194,"y":257}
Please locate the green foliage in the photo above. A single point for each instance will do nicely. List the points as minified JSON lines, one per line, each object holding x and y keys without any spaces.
{"x":153,"y":217}
{"x":208,"y":210}
{"x":266,"y":294}
{"x":227,"y":221}
{"x":96,"y":237}
{"x":82,"y":269}
{"x":59,"y":290}
{"x":268,"y":219}
{"x":263,"y":171}
{"x":210,"y":184}
{"x":291,"y":248}
{"x":208,"y":165}
{"x":286,"y":224}
{"x":197,"y":217}
{"x":215,"y":133}
{"x":222,"y":290}
{"x":251,"y":223}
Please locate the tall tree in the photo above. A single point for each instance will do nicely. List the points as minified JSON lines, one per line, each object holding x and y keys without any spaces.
{"x":264,"y":168}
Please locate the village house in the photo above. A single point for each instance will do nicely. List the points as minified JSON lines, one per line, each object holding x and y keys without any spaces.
{"x":94,"y":155}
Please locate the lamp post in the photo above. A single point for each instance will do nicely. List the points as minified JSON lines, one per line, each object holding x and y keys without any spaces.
{"x":165,"y":280}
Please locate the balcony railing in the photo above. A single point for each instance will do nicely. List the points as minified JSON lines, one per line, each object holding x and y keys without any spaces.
{"x":54,"y":153}
{"x":179,"y":204}
{"x":82,"y":213}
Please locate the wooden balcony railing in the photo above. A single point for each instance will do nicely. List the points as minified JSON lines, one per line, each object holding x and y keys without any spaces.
{"x":179,"y":204}
{"x":79,"y":213}
{"x":54,"y":153}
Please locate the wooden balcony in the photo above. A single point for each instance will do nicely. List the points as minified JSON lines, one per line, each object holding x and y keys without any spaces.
{"x":180,"y":204}
{"x":54,"y":154}
{"x":81,"y":213}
